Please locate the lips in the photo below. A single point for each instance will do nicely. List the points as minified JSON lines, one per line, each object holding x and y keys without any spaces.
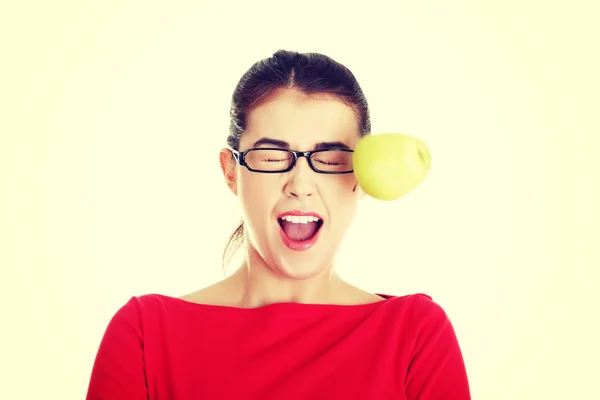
{"x":299,"y":230}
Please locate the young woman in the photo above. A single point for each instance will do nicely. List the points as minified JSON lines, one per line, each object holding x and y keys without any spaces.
{"x":285,"y":325}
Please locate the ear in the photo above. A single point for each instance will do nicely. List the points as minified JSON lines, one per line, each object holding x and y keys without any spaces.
{"x":228,"y":166}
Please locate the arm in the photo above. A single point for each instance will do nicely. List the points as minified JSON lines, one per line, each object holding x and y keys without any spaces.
{"x":119,"y":371}
{"x":437,"y":370}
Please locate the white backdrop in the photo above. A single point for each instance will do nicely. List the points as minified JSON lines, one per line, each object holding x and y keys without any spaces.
{"x":114,"y":113}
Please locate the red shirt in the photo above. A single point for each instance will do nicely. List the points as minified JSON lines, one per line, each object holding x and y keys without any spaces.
{"x":159,"y":347}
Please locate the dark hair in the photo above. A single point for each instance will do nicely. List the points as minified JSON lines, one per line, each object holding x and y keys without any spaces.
{"x":309,"y":73}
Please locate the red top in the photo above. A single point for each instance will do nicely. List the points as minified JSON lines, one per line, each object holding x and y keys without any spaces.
{"x":159,"y":347}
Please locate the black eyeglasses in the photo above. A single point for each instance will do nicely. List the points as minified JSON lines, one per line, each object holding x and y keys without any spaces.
{"x":273,"y":160}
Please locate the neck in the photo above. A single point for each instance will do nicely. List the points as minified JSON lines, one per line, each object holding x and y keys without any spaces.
{"x":256,"y":284}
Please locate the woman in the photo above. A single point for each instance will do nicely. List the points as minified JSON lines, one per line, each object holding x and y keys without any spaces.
{"x":285,"y":325}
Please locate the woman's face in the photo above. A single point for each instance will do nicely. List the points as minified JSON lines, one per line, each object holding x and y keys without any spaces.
{"x":293,"y":246}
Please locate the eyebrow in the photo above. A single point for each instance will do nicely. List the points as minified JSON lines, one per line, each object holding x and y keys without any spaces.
{"x":285,"y":145}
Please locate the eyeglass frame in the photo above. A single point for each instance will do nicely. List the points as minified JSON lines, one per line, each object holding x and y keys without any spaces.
{"x":240,"y":157}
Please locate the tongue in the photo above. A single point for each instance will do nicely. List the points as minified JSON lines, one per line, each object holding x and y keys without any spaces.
{"x":299,"y":232}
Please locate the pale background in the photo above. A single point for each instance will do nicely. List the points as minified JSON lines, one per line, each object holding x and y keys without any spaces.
{"x":113,"y":113}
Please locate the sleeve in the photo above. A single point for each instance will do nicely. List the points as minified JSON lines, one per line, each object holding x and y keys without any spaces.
{"x":118,"y":371}
{"x":437,"y":369}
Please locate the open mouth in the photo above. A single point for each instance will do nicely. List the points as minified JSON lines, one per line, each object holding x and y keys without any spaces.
{"x":300,"y":232}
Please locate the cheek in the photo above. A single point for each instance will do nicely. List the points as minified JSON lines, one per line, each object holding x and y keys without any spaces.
{"x":341,"y":185}
{"x":342,"y":200}
{"x":257,"y":194}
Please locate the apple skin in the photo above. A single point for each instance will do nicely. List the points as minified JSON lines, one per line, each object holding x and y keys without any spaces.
{"x":389,"y":165}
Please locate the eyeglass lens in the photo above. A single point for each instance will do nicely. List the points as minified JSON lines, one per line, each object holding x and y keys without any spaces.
{"x":272,"y":160}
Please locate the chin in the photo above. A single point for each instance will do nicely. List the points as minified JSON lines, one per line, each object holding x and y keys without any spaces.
{"x":304,"y":264}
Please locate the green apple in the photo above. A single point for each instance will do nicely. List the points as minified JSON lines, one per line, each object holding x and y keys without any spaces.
{"x":389,"y":165}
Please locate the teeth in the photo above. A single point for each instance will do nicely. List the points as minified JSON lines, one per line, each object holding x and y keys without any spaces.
{"x":299,"y":220}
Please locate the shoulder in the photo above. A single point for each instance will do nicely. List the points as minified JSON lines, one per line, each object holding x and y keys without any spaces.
{"x":143,"y":310}
{"x":136,"y":306}
{"x":435,"y":365}
{"x":120,"y":362}
{"x":423,"y":307}
{"x":418,"y":311}
{"x":418,"y":305}
{"x":141,"y":320}
{"x":427,"y":315}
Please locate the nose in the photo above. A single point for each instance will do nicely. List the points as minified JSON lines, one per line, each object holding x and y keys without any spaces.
{"x":301,"y":180}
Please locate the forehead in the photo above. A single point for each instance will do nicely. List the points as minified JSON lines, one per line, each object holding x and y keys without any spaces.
{"x":302,"y":121}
